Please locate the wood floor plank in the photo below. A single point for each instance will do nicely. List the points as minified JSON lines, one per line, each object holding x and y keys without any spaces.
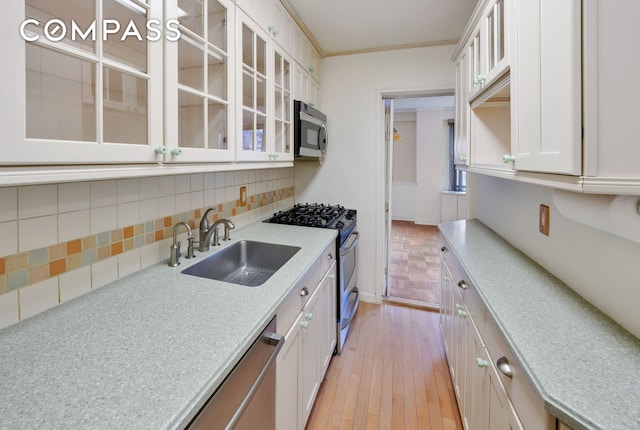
{"x":391,"y":375}
{"x":414,"y":272}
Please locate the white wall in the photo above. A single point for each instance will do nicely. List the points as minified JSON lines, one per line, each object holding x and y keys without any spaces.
{"x":432,"y":166}
{"x":404,"y":150}
{"x":418,"y":199}
{"x":600,"y":266}
{"x":352,"y":174}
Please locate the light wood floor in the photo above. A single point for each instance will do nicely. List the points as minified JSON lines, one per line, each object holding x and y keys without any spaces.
{"x":414,"y":274}
{"x":392,"y":375}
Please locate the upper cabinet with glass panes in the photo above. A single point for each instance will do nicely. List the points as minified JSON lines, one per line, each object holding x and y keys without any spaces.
{"x":108,"y":82}
{"x":84,"y":79}
{"x":199,"y":82}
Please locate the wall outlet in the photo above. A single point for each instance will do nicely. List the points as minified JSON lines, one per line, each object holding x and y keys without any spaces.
{"x":544,"y":220}
{"x":243,"y":196}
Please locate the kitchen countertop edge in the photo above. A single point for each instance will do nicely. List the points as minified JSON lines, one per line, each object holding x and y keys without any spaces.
{"x":152,"y":290}
{"x":480,"y":250}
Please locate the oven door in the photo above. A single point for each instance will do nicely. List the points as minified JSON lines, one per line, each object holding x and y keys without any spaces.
{"x":349,"y":296}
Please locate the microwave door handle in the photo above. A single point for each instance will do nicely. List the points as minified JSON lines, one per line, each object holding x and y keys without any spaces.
{"x":324,"y":147}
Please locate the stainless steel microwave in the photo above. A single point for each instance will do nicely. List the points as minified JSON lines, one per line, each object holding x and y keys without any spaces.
{"x":310,"y":131}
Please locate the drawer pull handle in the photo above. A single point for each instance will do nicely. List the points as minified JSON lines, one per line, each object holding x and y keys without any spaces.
{"x":330,"y":256}
{"x":444,"y":249}
{"x":304,"y":292}
{"x":463,"y":285}
{"x":482,"y":363}
{"x":504,"y":366}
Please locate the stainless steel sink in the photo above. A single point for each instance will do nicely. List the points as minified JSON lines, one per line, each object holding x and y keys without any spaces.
{"x":245,"y":263}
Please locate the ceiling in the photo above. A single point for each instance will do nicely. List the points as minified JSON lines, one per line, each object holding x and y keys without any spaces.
{"x":348,"y":26}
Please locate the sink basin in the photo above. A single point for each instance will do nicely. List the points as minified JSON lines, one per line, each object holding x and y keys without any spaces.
{"x":245,"y":262}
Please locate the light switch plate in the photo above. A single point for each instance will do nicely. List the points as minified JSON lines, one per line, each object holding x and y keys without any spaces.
{"x":544,"y":220}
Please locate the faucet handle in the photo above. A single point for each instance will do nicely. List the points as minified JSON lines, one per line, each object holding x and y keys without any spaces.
{"x":190,"y":248}
{"x":216,"y":236}
{"x":174,"y":255}
{"x":228,"y":226}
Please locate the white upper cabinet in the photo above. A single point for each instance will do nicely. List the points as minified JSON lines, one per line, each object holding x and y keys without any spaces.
{"x":611,"y":109}
{"x":488,"y":45}
{"x":282,"y":107}
{"x":109,"y":82}
{"x":280,"y":26}
{"x":461,"y":126}
{"x":546,"y":85}
{"x":558,"y":109}
{"x":252,"y":90}
{"x":81,"y":93}
{"x":199,"y":82}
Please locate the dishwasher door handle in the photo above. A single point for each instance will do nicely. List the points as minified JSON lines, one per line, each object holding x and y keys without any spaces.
{"x":273,"y":339}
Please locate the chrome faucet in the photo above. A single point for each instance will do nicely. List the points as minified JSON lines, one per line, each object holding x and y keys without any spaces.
{"x":174,"y":255}
{"x":205,"y":229}
{"x":228,"y":225}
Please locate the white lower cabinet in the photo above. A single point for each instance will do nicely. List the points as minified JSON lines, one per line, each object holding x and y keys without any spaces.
{"x":310,"y":353}
{"x":488,"y":398}
{"x":309,"y":342}
{"x":288,"y":398}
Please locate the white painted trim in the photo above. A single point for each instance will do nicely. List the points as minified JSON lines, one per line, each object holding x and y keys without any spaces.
{"x":13,"y":176}
{"x":379,"y":216}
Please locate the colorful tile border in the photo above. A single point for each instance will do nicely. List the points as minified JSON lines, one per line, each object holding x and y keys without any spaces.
{"x":26,"y":268}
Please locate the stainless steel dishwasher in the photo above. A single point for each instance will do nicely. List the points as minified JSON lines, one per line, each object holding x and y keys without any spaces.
{"x":246,"y":399}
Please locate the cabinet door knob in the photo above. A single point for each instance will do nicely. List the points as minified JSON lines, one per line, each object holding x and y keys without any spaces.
{"x":304,"y":292}
{"x":176,"y":151}
{"x":463,"y":285}
{"x":160,"y":150}
{"x":479,"y":80}
{"x":508,"y":158}
{"x":304,"y":324}
{"x":503,"y":366}
{"x":309,"y":316}
{"x":462,"y":313}
{"x":481,"y":363}
{"x":329,"y":256}
{"x":444,"y":249}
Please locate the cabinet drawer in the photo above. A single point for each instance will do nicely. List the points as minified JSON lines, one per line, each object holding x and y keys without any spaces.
{"x":467,"y":289}
{"x":298,"y":296}
{"x":528,"y":405}
{"x":327,"y":258}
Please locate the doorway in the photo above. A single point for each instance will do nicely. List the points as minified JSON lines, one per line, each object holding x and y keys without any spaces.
{"x":417,"y":133}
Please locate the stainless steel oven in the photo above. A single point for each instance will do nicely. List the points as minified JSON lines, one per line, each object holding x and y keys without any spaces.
{"x":348,"y":294}
{"x":343,"y":220}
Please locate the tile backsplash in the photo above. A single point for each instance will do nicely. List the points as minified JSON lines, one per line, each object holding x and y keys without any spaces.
{"x":60,"y":241}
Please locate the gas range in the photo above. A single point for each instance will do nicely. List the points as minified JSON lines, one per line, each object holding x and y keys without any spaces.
{"x":319,"y":215}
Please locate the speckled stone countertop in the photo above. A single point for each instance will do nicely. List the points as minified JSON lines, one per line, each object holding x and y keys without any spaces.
{"x":146,"y":351}
{"x":584,"y":367}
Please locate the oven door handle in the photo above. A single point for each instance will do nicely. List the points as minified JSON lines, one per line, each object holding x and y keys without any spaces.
{"x":353,"y":238}
{"x":347,"y":320}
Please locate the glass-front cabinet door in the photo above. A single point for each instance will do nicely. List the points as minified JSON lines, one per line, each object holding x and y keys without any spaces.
{"x":283,"y":107}
{"x":199,"y":82}
{"x":252,"y":96}
{"x":82,"y":81}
